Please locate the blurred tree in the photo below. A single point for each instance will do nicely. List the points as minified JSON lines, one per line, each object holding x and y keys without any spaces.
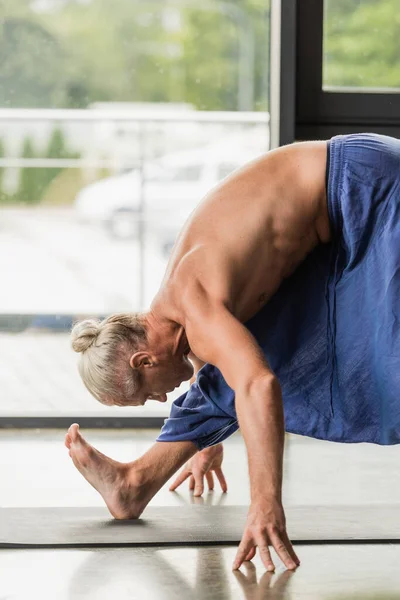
{"x":56,"y":148}
{"x":130,"y":50}
{"x":29,"y":188}
{"x":32,"y":61}
{"x":361,"y":45}
{"x":73,"y":53}
{"x":34,"y":181}
{"x":220,"y":39}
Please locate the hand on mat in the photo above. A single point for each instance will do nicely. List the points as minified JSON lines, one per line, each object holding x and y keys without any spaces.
{"x":266,"y":526}
{"x":202,"y":465}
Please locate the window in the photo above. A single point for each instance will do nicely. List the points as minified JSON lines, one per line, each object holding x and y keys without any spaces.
{"x":95,"y":99}
{"x":346,"y":74}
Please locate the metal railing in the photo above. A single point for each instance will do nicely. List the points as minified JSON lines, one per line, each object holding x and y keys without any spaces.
{"x":140,"y":123}
{"x":142,"y":120}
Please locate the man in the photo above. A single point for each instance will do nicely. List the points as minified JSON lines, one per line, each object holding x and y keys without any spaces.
{"x":302,"y":246}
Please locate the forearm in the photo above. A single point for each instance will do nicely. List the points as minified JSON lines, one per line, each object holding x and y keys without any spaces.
{"x":261,"y":419}
{"x":158,"y":464}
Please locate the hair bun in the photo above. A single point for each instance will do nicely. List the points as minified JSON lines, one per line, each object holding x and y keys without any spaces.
{"x":84,"y":334}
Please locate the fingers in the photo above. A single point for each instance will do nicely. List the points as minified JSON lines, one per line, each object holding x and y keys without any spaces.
{"x":265,"y":555}
{"x":221,"y":479}
{"x":198,"y":483}
{"x":290,"y":548}
{"x":282,"y":550}
{"x":210,"y":480}
{"x":73,"y":432}
{"x":245,"y":548}
{"x":251,"y":554}
{"x":183,"y":475}
{"x":280,"y":543}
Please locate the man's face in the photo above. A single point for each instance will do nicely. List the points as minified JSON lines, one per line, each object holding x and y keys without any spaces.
{"x":160,"y":378}
{"x":162,"y":363}
{"x":165,"y":377}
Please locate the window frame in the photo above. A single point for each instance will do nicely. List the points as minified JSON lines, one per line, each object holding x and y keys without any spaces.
{"x":322,"y":112}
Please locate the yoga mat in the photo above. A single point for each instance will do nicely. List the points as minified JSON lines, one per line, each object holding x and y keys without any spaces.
{"x":189,"y":525}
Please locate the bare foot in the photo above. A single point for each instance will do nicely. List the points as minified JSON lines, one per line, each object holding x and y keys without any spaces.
{"x":110,"y":478}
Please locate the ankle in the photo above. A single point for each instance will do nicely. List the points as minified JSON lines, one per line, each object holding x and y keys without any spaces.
{"x":136,"y":474}
{"x":137,"y":480}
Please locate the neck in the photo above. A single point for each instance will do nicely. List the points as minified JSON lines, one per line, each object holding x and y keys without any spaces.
{"x":155,"y":321}
{"x":161,"y":330}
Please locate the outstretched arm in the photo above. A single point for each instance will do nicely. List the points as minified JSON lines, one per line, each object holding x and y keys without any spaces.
{"x":216,"y":336}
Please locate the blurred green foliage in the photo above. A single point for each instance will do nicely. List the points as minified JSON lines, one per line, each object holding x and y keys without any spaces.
{"x":33,"y":181}
{"x":70,"y":53}
{"x":76,"y":53}
{"x":362,"y":43}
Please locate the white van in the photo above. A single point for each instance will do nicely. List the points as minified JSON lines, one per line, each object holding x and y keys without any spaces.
{"x":165,"y":195}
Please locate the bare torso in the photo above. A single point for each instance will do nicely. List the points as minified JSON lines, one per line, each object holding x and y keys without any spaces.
{"x":250,"y":233}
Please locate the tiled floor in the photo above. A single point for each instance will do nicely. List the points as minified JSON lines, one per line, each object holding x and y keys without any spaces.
{"x":35,"y":470}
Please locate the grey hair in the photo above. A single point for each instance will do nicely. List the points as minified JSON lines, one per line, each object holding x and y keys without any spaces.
{"x":105,"y":348}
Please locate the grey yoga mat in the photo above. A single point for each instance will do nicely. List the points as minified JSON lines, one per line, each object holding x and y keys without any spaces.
{"x":189,"y":525}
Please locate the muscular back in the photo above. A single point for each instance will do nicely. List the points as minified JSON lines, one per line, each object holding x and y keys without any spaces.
{"x":250,"y":233}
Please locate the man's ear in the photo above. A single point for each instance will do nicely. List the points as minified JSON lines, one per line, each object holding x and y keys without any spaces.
{"x":141,"y":360}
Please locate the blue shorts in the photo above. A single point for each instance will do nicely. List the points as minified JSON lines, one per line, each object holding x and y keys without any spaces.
{"x":332,"y":331}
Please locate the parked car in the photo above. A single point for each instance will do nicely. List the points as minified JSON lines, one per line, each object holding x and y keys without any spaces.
{"x":163,"y":195}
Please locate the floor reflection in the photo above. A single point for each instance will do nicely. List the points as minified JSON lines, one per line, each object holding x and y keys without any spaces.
{"x":352,"y":572}
{"x":151,"y":573}
{"x":272,"y":587}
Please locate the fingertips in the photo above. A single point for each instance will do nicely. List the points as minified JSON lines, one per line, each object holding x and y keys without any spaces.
{"x":222,"y":480}
{"x":179,"y":480}
{"x":244,"y":549}
{"x":237,"y":563}
{"x":291,"y":550}
{"x":210,"y":480}
{"x":199,"y":484}
{"x":266,"y":558}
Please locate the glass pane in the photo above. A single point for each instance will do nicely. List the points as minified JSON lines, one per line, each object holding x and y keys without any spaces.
{"x":114,"y":123}
{"x":361,"y":49}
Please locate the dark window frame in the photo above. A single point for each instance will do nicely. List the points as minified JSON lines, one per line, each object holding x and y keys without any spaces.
{"x":321,"y":113}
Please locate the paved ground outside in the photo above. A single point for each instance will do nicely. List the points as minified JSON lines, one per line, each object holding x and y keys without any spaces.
{"x":53,"y":264}
{"x":38,"y":375}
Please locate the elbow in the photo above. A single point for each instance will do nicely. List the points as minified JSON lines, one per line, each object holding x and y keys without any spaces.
{"x":267,"y":386}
